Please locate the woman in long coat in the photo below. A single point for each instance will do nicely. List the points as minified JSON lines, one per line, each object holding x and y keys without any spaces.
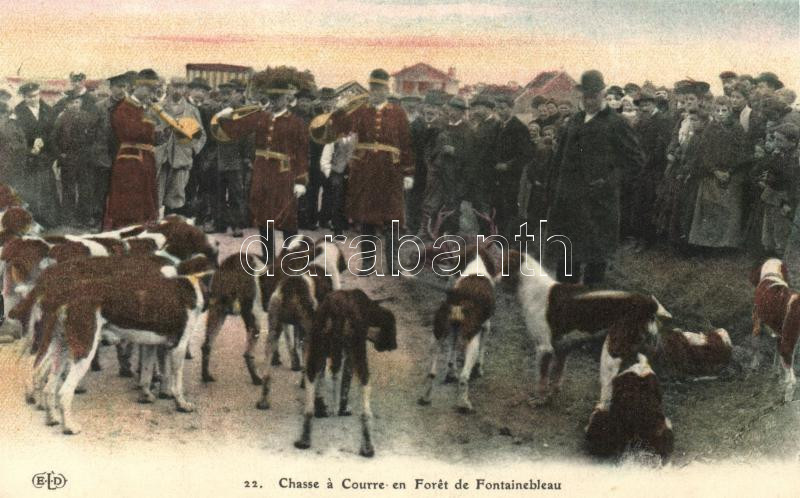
{"x":720,"y":169}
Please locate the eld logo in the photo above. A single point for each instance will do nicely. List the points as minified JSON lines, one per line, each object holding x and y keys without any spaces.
{"x":50,"y":480}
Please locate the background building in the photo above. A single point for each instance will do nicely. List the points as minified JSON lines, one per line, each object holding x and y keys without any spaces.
{"x":420,"y":78}
{"x":216,"y":73}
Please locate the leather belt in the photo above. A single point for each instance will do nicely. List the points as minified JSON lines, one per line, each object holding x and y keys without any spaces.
{"x":378,"y":147}
{"x":140,"y":150}
{"x":144,"y":147}
{"x":283,"y":159}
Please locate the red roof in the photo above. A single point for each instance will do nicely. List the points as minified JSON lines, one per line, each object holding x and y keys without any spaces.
{"x":550,"y":80}
{"x":231,"y":68}
{"x":422,"y":69}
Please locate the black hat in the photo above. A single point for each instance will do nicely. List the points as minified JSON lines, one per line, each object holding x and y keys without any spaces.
{"x":632,"y":88}
{"x":304,"y":93}
{"x":379,"y":77}
{"x":199,"y":83}
{"x":770,"y":79}
{"x":483,"y":100}
{"x":4,"y":94}
{"x":146,"y":77}
{"x":538,"y":100}
{"x":237,"y":85}
{"x":591,"y":82}
{"x":503,"y":98}
{"x":28,"y":88}
{"x":436,"y":98}
{"x":615,"y":90}
{"x":727,"y":75}
{"x":120,"y":79}
{"x":225,"y":86}
{"x":76,"y":77}
{"x":698,"y":88}
{"x":458,"y":103}
{"x":644,"y":96}
{"x":327,"y":93}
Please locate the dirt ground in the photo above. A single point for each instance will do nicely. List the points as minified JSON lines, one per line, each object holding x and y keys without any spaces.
{"x":734,"y":417}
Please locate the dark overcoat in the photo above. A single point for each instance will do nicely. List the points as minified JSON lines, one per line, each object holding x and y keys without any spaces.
{"x":591,"y":159}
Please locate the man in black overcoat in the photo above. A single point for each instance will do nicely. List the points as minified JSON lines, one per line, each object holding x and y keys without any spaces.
{"x":514,"y":150}
{"x":596,"y":149}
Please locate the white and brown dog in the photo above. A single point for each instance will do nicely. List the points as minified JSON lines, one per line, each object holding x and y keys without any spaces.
{"x":553,"y":310}
{"x":694,"y":353}
{"x":462,"y":322}
{"x":778,"y":307}
{"x":243,"y":285}
{"x":147,"y":310}
{"x":343,"y":324}
{"x":634,"y":418}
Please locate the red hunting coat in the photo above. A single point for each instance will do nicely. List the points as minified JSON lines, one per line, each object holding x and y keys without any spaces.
{"x":375,"y":184}
{"x":281,"y":161}
{"x":132,"y":196}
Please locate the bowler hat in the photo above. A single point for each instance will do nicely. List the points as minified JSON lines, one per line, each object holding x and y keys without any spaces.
{"x":76,"y":77}
{"x":591,"y":82}
{"x":727,"y":75}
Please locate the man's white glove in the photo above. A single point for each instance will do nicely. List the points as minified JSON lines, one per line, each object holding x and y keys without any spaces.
{"x":299,"y":190}
{"x":38,"y":144}
{"x":341,"y":102}
{"x":408,"y":182}
{"x":225,"y":113}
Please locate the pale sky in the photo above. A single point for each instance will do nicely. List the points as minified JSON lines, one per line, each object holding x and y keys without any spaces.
{"x":490,"y":41}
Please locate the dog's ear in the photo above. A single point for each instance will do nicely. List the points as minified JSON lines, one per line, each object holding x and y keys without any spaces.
{"x":755,"y":275}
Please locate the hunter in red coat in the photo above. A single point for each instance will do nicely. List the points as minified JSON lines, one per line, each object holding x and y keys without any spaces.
{"x":382,"y":166}
{"x":280,"y":169}
{"x":133,"y":196}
